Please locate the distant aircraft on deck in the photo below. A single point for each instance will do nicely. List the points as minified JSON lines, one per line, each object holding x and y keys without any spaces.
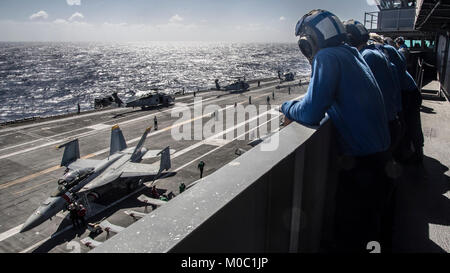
{"x":286,"y":77}
{"x":144,"y":100}
{"x":149,"y":99}
{"x":238,"y":86}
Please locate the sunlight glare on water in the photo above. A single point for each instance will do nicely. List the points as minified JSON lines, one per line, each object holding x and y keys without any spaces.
{"x":41,"y":79}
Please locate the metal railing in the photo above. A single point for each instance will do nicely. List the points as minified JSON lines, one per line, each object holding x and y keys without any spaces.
{"x":391,"y":19}
{"x":263,"y":201}
{"x":373,"y":21}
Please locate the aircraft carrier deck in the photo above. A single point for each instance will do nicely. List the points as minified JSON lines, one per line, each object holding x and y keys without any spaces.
{"x":30,"y":163}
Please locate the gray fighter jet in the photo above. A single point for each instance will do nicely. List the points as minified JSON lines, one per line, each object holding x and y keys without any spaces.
{"x":93,"y":177}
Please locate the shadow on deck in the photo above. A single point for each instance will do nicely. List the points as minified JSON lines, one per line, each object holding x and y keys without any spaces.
{"x":422,"y":209}
{"x":423,"y":197}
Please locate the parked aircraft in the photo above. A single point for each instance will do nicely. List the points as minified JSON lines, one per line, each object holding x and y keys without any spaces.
{"x":149,"y":99}
{"x":107,"y":101}
{"x":93,"y":177}
{"x":286,"y":77}
{"x":238,"y":86}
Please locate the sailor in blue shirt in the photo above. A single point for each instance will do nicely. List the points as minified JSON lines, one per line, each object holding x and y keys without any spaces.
{"x":382,"y":68}
{"x":407,"y":82}
{"x":343,"y":86}
{"x":402,"y":48}
{"x":409,"y":114}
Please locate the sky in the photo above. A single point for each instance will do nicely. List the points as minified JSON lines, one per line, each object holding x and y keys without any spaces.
{"x":164,"y":20}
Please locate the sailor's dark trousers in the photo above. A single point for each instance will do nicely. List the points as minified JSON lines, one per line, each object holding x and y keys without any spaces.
{"x":364,"y":204}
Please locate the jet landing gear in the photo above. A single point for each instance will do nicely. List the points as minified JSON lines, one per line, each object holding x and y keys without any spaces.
{"x":133,"y":185}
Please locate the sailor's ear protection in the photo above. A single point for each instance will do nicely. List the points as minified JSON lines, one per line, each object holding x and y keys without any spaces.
{"x":306,"y":45}
{"x":351,"y":39}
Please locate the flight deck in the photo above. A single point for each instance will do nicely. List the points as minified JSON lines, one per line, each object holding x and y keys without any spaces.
{"x":31,"y":163}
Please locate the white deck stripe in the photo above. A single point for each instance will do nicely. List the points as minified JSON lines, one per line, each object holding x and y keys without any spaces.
{"x":60,"y":120}
{"x":5,"y":235}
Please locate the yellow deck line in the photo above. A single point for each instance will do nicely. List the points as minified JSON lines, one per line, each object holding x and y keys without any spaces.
{"x":31,"y":176}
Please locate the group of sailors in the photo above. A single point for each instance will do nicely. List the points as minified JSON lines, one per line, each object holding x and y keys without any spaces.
{"x":77,"y":213}
{"x":164,"y":197}
{"x":361,"y":83}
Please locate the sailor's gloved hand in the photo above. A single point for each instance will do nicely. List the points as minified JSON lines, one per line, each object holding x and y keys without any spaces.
{"x":285,"y":110}
{"x":286,"y":121}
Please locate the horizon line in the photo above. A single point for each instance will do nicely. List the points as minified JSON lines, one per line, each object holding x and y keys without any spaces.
{"x":149,"y":41}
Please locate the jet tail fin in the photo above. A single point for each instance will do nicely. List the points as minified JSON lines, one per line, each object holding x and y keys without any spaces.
{"x":165,"y":159}
{"x":137,"y":150}
{"x":165,"y":163}
{"x":71,"y":152}
{"x":117,"y":140}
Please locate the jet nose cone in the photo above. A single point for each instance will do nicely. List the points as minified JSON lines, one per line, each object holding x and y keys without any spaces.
{"x":49,"y":209}
{"x":32,"y":221}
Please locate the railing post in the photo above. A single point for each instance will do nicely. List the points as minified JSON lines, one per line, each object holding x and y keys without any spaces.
{"x":371,"y":21}
{"x":365,"y":18}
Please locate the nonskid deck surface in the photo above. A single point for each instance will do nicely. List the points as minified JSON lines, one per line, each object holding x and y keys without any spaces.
{"x":422,"y":218}
{"x":30,"y":163}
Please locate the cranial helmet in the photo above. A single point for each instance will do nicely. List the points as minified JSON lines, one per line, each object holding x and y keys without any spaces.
{"x":400,"y":40}
{"x":376,"y":38}
{"x":357,"y":34}
{"x":388,"y":41}
{"x":319,"y":29}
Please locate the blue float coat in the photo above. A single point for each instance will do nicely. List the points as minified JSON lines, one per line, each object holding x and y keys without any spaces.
{"x":398,"y":68}
{"x":398,"y":98}
{"x":382,"y":70}
{"x":407,"y":82}
{"x":343,"y":86}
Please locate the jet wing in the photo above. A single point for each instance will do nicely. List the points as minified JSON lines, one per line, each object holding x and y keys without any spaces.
{"x":83,"y":164}
{"x":89,"y":242}
{"x":153,"y":201}
{"x":100,"y":181}
{"x":155,"y":153}
{"x":131,"y":169}
{"x":108,"y":226}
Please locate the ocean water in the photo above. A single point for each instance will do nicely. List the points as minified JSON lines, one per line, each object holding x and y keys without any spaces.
{"x":42,"y":79}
